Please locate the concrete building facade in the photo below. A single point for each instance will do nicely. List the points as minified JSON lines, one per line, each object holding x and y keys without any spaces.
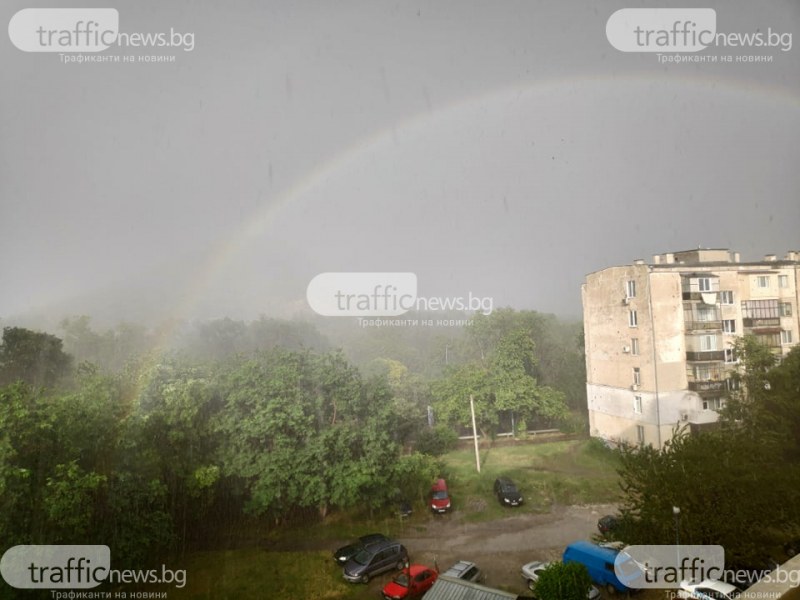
{"x":659,"y":337}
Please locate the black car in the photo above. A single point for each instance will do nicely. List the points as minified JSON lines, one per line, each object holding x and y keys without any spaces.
{"x":506,"y":492}
{"x":343,"y":554}
{"x":607,"y":524}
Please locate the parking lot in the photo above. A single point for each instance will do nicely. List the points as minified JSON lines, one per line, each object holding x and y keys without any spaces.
{"x":499,"y":547}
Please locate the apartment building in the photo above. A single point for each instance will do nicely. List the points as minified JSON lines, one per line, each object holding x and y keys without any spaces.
{"x":659,"y":336}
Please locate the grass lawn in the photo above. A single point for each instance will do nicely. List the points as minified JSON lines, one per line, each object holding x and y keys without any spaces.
{"x":570,"y":472}
{"x":239,"y":574}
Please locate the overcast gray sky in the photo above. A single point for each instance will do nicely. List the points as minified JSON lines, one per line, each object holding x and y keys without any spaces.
{"x":500,"y":148}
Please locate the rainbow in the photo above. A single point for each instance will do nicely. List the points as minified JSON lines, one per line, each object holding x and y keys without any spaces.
{"x":414,"y":127}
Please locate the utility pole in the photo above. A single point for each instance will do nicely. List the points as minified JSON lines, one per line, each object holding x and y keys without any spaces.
{"x":475,"y":434}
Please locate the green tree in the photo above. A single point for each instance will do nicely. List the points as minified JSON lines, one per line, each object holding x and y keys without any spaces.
{"x":306,"y":432}
{"x":501,"y":381}
{"x":30,"y":356}
{"x":748,"y":497}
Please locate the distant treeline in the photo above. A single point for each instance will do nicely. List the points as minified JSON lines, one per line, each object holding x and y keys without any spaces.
{"x":114,"y":438}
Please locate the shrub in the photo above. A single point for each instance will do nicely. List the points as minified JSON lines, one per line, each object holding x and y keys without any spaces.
{"x":561,"y":581}
{"x":437,"y":440}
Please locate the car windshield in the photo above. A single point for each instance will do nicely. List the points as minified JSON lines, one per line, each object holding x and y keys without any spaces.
{"x":441,"y":495}
{"x":362,"y":557}
{"x":509,"y":488}
{"x":401,"y":579}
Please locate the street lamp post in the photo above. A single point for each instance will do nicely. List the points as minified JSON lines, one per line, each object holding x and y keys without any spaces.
{"x":676,"y":512}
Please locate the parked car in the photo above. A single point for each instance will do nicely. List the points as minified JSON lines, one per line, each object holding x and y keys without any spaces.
{"x":411,"y":582}
{"x":607,"y":524}
{"x":343,"y":554}
{"x":599,"y":561}
{"x":506,"y":492}
{"x":404,"y":509}
{"x":374,"y":559}
{"x":440,"y":498}
{"x":531,"y":571}
{"x":466,"y":571}
{"x":708,"y":589}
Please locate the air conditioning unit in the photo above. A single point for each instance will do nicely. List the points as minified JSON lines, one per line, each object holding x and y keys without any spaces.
{"x":684,"y":416}
{"x":635,"y":387}
{"x":626,"y":301}
{"x":626,"y":349}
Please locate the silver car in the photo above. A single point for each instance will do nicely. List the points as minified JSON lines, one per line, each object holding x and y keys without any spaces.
{"x":465,"y":571}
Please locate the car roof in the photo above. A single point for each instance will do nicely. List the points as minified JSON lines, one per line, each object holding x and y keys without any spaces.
{"x":416,"y":569}
{"x":381,"y":545}
{"x":592,"y":549}
{"x":714,"y":584}
{"x":459,"y":567}
{"x":372,"y":537}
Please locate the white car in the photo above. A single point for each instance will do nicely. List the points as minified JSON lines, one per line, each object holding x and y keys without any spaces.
{"x":530,"y":572}
{"x":708,"y":589}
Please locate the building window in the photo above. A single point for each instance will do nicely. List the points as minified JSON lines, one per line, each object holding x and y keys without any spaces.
{"x":637,"y":376}
{"x":760,"y":309}
{"x":713,"y":403}
{"x":706,"y":313}
{"x":702,"y":372}
{"x":630,"y":289}
{"x":729,"y":325}
{"x":783,"y":281}
{"x":730,"y":355}
{"x":786,"y":336}
{"x":731,"y":384}
{"x":773,"y":340}
{"x":786,"y":309}
{"x":726,"y":297}
{"x":640,"y":434}
{"x":635,"y":346}
{"x":762,"y":281}
{"x":633,"y":319}
{"x":704,"y":284}
{"x":637,"y":405}
{"x":708,"y":343}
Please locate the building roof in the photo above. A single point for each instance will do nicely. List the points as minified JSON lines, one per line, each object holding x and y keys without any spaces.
{"x":447,"y":588}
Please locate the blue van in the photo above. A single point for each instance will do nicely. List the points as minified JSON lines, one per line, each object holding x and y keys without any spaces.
{"x":599,"y":561}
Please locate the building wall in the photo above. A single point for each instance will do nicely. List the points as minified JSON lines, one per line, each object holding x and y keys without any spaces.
{"x":662,"y":292}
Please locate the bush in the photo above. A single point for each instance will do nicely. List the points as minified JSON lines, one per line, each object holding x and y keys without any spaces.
{"x":561,"y":581}
{"x":437,"y":440}
{"x":574,"y":422}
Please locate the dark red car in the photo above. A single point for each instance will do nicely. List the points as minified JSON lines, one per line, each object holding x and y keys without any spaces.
{"x":411,"y":582}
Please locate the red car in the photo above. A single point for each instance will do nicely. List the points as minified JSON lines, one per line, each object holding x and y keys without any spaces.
{"x":411,"y":582}
{"x":440,"y":499}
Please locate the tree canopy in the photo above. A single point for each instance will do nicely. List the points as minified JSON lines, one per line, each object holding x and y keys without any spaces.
{"x":737,"y":485}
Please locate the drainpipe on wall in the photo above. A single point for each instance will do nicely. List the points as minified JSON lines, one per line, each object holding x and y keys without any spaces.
{"x":655,"y":361}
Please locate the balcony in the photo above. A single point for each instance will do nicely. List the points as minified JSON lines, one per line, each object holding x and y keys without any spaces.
{"x":768,"y":324}
{"x":703,"y":325}
{"x":715,"y":355}
{"x":707,"y":386}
